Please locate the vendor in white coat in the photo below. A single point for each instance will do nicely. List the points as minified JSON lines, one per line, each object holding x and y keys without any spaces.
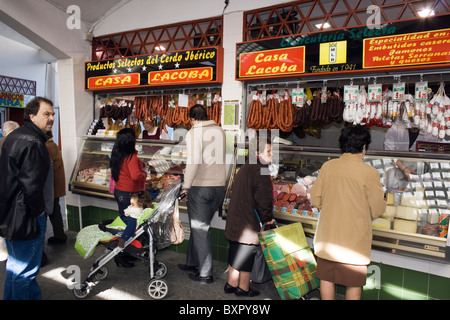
{"x":400,"y":138}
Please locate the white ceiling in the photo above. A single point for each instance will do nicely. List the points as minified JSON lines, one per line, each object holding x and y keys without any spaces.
{"x":91,"y":13}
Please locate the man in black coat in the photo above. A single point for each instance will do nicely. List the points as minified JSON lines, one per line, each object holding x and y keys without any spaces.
{"x":26,"y":197}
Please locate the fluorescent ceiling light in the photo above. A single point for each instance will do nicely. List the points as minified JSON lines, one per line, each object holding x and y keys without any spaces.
{"x":160,"y":48}
{"x":325,"y":25}
{"x":426,"y":13}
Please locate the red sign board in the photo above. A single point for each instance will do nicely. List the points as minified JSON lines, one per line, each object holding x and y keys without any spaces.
{"x":277,"y":62}
{"x":427,"y":47}
{"x":415,"y":44}
{"x":115,"y":81}
{"x":192,"y":75}
{"x":199,"y":65}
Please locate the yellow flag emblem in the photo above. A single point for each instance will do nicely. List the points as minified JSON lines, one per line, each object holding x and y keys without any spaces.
{"x":333,"y":52}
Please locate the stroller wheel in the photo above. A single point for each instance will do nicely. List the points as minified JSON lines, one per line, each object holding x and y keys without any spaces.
{"x":81,"y":290}
{"x":102,"y":273}
{"x":161,"y":270}
{"x":157,"y":288}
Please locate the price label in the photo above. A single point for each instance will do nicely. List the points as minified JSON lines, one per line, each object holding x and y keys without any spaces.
{"x":298,"y":95}
{"x":421,"y":90}
{"x":324,"y":95}
{"x":263,"y":97}
{"x":351,"y":93}
{"x":398,"y":91}
{"x":374,"y":94}
{"x":183,"y":100}
{"x":208,"y":99}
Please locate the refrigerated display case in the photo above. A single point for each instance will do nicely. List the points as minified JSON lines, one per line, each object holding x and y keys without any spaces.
{"x":164,"y":162}
{"x":417,"y":215}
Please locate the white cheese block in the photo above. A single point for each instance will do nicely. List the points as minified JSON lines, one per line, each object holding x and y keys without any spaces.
{"x":390,"y":198}
{"x":405,"y":225}
{"x":433,"y":216}
{"x":413,"y":200}
{"x":381,"y":223}
{"x":391,"y":212}
{"x":407,"y":213}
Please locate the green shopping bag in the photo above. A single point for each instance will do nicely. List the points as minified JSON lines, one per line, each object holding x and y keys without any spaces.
{"x":290,"y":260}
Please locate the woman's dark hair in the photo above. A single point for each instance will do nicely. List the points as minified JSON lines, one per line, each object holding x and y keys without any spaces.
{"x":144,"y":199}
{"x":198,"y":112}
{"x":124,"y":147}
{"x":32,"y":107}
{"x":354,"y":138}
{"x":258,"y":143}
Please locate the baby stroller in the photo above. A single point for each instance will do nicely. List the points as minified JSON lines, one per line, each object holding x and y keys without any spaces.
{"x":152,"y":234}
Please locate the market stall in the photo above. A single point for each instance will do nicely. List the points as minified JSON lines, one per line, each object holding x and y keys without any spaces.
{"x":155,"y":89}
{"x":309,"y":86}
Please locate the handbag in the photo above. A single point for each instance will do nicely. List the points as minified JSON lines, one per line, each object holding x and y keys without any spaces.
{"x":176,"y":233}
{"x":260,"y":271}
{"x":112,"y":184}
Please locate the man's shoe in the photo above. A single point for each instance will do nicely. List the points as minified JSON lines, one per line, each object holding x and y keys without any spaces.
{"x":185,"y":267}
{"x":242,"y":293}
{"x":195,"y":277}
{"x":229,"y":288}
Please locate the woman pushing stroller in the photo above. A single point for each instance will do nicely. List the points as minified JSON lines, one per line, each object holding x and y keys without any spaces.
{"x":128,"y":172}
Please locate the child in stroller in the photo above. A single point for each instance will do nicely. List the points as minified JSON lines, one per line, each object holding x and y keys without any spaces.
{"x":138,"y":202}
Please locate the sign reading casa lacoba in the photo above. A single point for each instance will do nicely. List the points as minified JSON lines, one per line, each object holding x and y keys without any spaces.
{"x":288,"y":61}
{"x":411,"y":44}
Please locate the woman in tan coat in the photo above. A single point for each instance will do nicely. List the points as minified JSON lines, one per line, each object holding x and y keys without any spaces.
{"x":349,"y":195}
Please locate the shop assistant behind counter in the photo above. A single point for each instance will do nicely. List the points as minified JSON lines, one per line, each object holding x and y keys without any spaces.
{"x":400,"y":138}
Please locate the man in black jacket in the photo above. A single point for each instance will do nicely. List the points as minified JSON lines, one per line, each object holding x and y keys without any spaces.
{"x":26,"y":197}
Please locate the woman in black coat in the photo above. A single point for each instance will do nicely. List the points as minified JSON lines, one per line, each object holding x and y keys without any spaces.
{"x":252,"y":191}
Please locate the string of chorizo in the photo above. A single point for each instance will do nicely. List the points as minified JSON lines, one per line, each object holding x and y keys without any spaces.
{"x":217,"y":112}
{"x":266,"y":112}
{"x":254,"y":114}
{"x":274,"y":111}
{"x":315,"y":109}
{"x":137,"y":107}
{"x":324,"y":113}
{"x":214,"y":111}
{"x":338,"y":109}
{"x":176,"y":119}
{"x":308,"y":112}
{"x":285,"y":115}
{"x":335,"y":111}
{"x":298,"y":116}
{"x":185,"y":117}
{"x":168,"y":117}
{"x":209,"y":111}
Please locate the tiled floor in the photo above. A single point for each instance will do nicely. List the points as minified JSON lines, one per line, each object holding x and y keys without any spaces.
{"x":131,"y":283}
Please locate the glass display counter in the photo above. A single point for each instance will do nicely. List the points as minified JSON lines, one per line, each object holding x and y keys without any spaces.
{"x":164,"y":161}
{"x":416,"y":219}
